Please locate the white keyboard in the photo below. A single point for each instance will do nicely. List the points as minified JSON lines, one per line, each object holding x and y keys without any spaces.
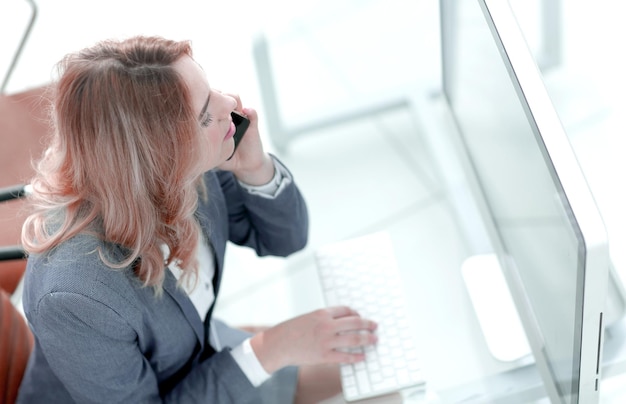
{"x":362,"y":273}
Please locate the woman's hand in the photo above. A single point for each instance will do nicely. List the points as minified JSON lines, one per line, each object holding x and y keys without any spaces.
{"x":321,"y":337}
{"x":250,"y":163}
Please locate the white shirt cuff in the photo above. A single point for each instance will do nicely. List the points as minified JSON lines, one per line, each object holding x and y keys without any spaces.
{"x":272,"y":189}
{"x":249,"y":363}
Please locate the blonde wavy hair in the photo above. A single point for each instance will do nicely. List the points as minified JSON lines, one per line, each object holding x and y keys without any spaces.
{"x":124,"y":158}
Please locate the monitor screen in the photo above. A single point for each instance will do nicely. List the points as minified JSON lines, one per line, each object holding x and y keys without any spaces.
{"x":538,"y":209}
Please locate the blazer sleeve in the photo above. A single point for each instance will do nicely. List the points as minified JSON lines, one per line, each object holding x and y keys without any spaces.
{"x":103,"y":362}
{"x":277,"y":226}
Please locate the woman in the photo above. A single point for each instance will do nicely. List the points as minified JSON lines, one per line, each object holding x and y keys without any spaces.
{"x":134,"y":201}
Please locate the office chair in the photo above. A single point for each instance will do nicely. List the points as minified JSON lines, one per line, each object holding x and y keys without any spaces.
{"x":16,"y":343}
{"x":16,"y":339}
{"x":24,"y":126}
{"x":14,"y":254}
{"x":7,"y":194}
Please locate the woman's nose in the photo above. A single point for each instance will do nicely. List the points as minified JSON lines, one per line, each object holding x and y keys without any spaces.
{"x":233,"y":103}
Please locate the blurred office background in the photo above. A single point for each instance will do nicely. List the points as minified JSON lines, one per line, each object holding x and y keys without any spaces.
{"x":367,"y":174}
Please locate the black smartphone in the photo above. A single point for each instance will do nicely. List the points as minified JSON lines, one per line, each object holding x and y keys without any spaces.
{"x":241,"y":125}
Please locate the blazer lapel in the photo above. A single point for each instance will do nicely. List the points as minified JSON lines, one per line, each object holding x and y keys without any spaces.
{"x":185,"y":304}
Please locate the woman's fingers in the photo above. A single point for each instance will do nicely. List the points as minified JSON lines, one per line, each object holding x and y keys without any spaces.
{"x":347,"y":319}
{"x":341,"y":311}
{"x":355,"y":323}
{"x":342,"y":356}
{"x":355,"y":339}
{"x":350,"y":331}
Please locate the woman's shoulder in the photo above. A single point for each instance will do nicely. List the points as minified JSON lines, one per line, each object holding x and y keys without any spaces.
{"x":83,"y":251}
{"x":77,"y":266}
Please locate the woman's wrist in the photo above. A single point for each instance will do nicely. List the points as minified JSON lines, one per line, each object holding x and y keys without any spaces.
{"x":260,"y":174}
{"x":264,"y":353}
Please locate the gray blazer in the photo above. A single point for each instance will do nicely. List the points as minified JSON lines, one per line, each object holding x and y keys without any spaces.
{"x":102,"y":337}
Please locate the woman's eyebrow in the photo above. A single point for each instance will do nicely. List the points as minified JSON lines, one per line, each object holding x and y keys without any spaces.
{"x":206,"y":104}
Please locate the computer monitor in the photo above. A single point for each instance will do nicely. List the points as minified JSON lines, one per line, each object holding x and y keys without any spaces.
{"x":534,"y":201}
